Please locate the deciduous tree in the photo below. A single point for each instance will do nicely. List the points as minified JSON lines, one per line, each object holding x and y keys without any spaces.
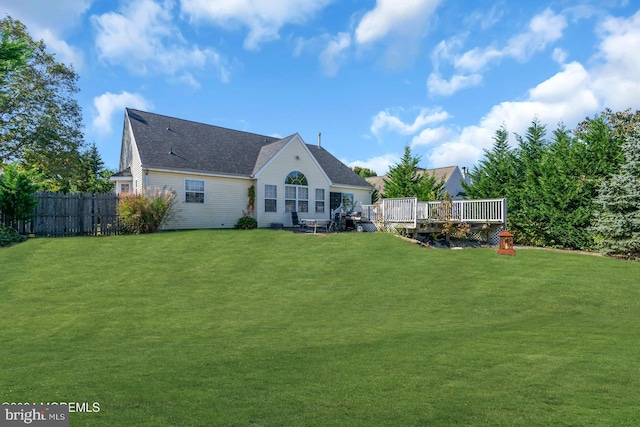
{"x":364,"y":172}
{"x":40,"y":119}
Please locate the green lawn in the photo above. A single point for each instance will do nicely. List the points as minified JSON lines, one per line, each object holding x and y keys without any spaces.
{"x":263,"y":327}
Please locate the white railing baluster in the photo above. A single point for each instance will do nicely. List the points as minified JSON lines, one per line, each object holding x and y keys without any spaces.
{"x":410,"y":211}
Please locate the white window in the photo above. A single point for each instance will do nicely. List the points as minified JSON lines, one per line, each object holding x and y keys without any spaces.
{"x":193,"y":191}
{"x":296,"y":193}
{"x":125,"y":188}
{"x":270,"y":198}
{"x":319,"y":200}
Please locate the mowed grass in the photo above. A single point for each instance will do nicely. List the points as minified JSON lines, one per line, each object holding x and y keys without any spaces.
{"x":270,"y":328}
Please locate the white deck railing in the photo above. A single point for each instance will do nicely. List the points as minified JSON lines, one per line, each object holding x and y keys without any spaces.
{"x":410,"y":211}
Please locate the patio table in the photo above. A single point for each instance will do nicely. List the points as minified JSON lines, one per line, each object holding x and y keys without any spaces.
{"x":315,"y":223}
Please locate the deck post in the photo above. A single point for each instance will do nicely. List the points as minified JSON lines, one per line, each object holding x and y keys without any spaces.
{"x":504,"y":213}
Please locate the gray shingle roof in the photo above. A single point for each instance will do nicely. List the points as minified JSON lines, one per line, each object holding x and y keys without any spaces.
{"x":175,"y":144}
{"x":126,"y":173}
{"x":338,"y":172}
{"x":170,"y":143}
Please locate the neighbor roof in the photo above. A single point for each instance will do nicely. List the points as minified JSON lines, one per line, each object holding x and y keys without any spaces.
{"x":175,"y":144}
{"x":443,"y":174}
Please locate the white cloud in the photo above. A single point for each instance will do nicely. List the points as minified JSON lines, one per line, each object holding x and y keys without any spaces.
{"x":64,"y":52}
{"x":431,"y":136}
{"x":455,"y":153}
{"x":575,"y":91}
{"x":143,"y":38}
{"x":392,"y":16}
{"x":438,"y":86}
{"x":384,"y":120}
{"x":477,"y":59}
{"x":46,"y":13}
{"x":565,"y":97}
{"x":49,"y":21}
{"x":543,"y":30}
{"x":264,"y":19}
{"x":189,"y":80}
{"x":562,"y":87}
{"x":379,"y":164}
{"x":334,"y":53}
{"x":616,"y":74}
{"x":559,"y":55}
{"x":108,"y":104}
{"x":485,"y":20}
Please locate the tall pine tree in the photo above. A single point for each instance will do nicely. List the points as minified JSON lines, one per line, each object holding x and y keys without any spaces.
{"x":617,"y":218}
{"x":525,"y":217}
{"x":493,"y":177}
{"x":564,"y":208}
{"x":404,"y":180}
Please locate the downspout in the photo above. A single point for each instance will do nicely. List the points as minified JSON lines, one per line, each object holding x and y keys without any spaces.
{"x":146,"y":179}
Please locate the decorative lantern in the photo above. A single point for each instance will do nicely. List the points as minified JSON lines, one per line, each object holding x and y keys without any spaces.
{"x":505,"y":244}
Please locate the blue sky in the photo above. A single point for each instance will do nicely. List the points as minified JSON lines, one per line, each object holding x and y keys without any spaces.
{"x":371,"y":75}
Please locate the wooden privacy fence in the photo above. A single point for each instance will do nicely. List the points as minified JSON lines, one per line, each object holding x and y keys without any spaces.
{"x":72,"y":214}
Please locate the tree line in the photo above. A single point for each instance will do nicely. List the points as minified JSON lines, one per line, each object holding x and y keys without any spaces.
{"x":573,"y":189}
{"x":576,"y":189}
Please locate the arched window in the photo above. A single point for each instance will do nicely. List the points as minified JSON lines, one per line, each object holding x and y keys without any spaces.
{"x":296,"y":178}
{"x":296,"y":192}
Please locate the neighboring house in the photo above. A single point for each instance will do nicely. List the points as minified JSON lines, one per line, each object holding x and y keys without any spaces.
{"x":212,"y":168}
{"x":452,"y":177}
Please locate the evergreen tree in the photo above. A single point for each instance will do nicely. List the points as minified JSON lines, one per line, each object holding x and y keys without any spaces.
{"x":17,"y":199}
{"x":525,"y":217}
{"x":493,"y":177}
{"x":428,"y":187}
{"x":91,"y":176}
{"x":402,"y":177}
{"x":404,"y":180}
{"x":617,"y":218}
{"x":563,"y":208}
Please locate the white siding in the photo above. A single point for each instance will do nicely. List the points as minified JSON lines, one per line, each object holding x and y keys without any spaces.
{"x":137,"y":185}
{"x":293,"y":157}
{"x":130,"y":158}
{"x":224,"y":200}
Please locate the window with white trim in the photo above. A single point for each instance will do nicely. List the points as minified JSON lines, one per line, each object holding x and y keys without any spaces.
{"x":296,"y":193}
{"x":125,"y":187}
{"x":194,"y":191}
{"x":270,"y":198}
{"x":319,"y":200}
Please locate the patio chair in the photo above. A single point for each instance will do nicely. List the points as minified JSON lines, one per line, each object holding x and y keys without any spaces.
{"x":295,"y":221}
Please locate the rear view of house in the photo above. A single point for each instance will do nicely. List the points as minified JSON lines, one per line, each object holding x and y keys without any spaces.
{"x":212,"y":168}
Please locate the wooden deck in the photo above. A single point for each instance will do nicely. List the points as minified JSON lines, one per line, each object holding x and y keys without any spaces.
{"x":418,"y":216}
